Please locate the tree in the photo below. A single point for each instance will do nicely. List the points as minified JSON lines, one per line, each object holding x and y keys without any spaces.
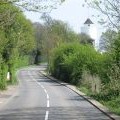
{"x":39,"y":32}
{"x":51,"y":34}
{"x":16,"y":33}
{"x":42,"y":6}
{"x":16,"y":40}
{"x":34,"y":5}
{"x":116,"y":51}
{"x":110,"y":9}
{"x":107,"y":40}
{"x":85,"y":39}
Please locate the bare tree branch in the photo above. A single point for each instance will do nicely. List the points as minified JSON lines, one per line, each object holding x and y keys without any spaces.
{"x":109,"y":8}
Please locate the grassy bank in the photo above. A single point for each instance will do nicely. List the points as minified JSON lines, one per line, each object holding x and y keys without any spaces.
{"x":112,"y":104}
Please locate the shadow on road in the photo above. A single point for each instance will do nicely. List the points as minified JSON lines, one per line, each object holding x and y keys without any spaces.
{"x":55,"y":113}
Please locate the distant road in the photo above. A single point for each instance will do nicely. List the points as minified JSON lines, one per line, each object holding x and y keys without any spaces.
{"x":40,"y":98}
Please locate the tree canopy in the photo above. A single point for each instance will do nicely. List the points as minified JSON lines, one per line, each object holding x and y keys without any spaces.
{"x":34,"y":5}
{"x":110,"y":9}
{"x":52,"y":33}
{"x":16,"y":40}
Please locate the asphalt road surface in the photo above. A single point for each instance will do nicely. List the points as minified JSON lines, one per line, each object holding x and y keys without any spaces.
{"x":39,"y":98}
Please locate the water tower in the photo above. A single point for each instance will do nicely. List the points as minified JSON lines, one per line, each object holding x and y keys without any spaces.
{"x":89,"y":28}
{"x":86,"y":27}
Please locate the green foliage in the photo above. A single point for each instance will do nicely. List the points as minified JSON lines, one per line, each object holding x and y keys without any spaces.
{"x":34,"y":5}
{"x":22,"y":61}
{"x":111,"y":71}
{"x":70,"y":60}
{"x":111,"y":86}
{"x":116,"y":51}
{"x":52,"y":34}
{"x":16,"y":41}
{"x":3,"y":72}
{"x":113,"y":105}
{"x":63,"y":30}
{"x":107,"y":40}
{"x":85,"y":39}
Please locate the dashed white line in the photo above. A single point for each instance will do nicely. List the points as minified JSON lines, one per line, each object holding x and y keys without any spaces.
{"x":48,"y":101}
{"x":47,"y":97}
{"x":45,"y":91}
{"x":42,"y":86}
{"x":46,"y":115}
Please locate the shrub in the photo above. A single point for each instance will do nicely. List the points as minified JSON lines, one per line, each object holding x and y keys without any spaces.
{"x":3,"y":74}
{"x":70,"y":60}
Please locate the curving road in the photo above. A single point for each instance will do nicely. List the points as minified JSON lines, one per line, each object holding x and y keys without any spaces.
{"x":39,"y":98}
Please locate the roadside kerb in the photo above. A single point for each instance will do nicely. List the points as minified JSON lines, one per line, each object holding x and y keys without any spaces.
{"x":95,"y":103}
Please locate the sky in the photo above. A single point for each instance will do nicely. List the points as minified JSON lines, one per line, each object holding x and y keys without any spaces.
{"x":73,"y":13}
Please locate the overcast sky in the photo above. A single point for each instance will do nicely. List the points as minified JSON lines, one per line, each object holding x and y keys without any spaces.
{"x":72,"y":12}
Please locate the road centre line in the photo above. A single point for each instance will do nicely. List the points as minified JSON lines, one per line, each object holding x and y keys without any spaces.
{"x":40,"y":85}
{"x":46,"y":116}
{"x":47,"y":96}
{"x":45,"y":91}
{"x":48,"y":101}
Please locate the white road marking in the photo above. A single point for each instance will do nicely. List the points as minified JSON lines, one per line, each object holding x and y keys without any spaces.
{"x":47,"y":97}
{"x":45,"y":91}
{"x":42,"y":86}
{"x":46,"y":115}
{"x":1,"y":102}
{"x":48,"y":101}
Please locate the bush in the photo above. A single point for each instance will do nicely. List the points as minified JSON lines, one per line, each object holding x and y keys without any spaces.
{"x":96,"y":74}
{"x":70,"y":60}
{"x":3,"y":74}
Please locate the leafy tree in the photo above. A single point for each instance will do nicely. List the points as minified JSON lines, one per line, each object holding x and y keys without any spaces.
{"x":17,"y":34}
{"x":64,"y":58}
{"x":107,"y":40}
{"x":51,"y":34}
{"x":16,"y":40}
{"x":110,"y":9}
{"x":43,"y":6}
{"x":39,"y":31}
{"x":116,"y":51}
{"x":34,"y":5}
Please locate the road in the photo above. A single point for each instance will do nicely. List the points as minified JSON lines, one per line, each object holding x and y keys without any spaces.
{"x":39,"y":98}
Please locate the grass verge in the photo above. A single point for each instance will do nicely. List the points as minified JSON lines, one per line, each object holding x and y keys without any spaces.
{"x":113,"y":104}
